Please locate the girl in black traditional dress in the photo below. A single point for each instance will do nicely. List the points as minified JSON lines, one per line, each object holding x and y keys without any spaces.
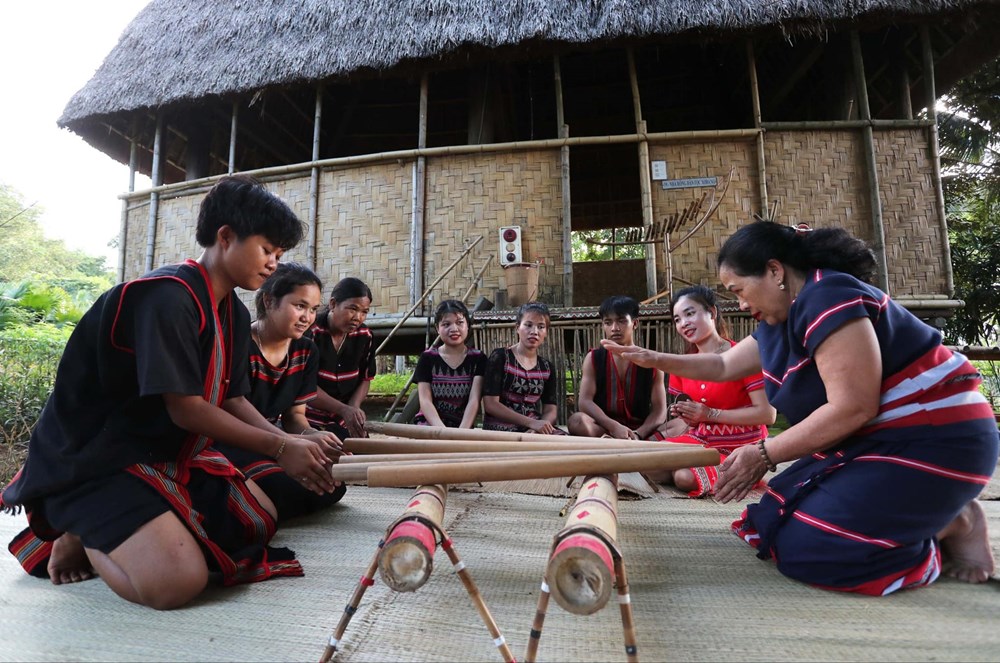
{"x":282,"y":371}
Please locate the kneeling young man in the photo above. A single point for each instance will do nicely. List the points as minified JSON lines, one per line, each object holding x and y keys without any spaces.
{"x":618,"y":398}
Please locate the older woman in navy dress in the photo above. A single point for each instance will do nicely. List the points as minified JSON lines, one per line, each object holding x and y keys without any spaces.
{"x":892,"y":439}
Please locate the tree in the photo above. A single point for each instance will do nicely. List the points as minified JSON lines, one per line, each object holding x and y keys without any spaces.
{"x":970,"y":147}
{"x":41,"y":280}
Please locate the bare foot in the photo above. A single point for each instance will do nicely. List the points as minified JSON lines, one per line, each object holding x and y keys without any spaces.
{"x":965,"y":546}
{"x":68,"y":561}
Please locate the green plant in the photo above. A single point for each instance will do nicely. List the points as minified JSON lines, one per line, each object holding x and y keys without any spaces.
{"x":388,"y":384}
{"x":27,"y":371}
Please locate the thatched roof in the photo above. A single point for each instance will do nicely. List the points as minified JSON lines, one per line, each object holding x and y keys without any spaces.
{"x":179,"y":50}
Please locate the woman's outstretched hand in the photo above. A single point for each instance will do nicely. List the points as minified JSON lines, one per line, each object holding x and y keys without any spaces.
{"x":635,"y":354}
{"x":739,"y":473}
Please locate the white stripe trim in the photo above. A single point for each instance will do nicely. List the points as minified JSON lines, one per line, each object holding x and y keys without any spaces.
{"x":459,"y":566}
{"x":923,"y":381}
{"x":963,"y":398}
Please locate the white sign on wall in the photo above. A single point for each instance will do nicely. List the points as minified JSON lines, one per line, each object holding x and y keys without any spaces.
{"x":659,"y":169}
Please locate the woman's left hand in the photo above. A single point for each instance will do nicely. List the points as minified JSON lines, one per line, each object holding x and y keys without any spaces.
{"x":692,"y":413}
{"x":739,"y":473}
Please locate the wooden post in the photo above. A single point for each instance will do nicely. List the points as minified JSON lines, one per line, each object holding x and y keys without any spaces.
{"x":567,"y":210}
{"x":232,"y":137}
{"x":581,"y":568}
{"x":312,"y":252}
{"x":645,"y":190}
{"x":407,"y":557}
{"x":154,"y":196}
{"x":419,"y":199}
{"x":133,"y":150}
{"x":757,"y":118}
{"x":878,"y":230}
{"x":931,"y":102}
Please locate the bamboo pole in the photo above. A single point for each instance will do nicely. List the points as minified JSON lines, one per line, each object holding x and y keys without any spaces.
{"x":233,"y":125}
{"x":419,"y":197}
{"x":409,"y":382}
{"x":461,"y":150}
{"x":838,"y":125}
{"x":540,"y":468}
{"x":361,"y":459}
{"x":445,"y":433}
{"x":645,"y":190}
{"x":366,"y":581}
{"x":580,"y":572}
{"x":564,"y":181}
{"x":407,"y":557}
{"x":311,"y":249}
{"x":871,"y":167}
{"x":367,"y":445}
{"x":154,"y":195}
{"x":755,"y":99}
{"x":428,"y":291}
{"x":931,"y":102}
{"x":133,"y":158}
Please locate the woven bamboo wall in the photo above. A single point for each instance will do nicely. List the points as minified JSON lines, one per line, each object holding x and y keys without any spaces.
{"x":364,"y":230}
{"x":135,"y":243}
{"x":695,"y":259}
{"x":914,"y":252}
{"x":474,"y":195}
{"x":817,"y":177}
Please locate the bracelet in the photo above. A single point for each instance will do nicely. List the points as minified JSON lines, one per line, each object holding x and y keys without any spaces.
{"x":713,"y":413}
{"x":281,"y":449}
{"x":771,"y":467}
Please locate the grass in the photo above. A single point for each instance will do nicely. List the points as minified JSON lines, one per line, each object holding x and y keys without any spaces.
{"x":388,"y":384}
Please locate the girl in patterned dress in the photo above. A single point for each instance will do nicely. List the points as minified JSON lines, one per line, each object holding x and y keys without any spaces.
{"x":520,"y":390}
{"x":450,"y":377}
{"x":283,"y":368}
{"x":891,"y":437}
{"x":717,"y":415}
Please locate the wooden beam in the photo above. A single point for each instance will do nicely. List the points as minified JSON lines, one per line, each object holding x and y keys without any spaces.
{"x":313,"y":222}
{"x":418,"y":206}
{"x":564,"y":175}
{"x":645,"y":189}
{"x":233,"y":126}
{"x":757,"y":118}
{"x":931,"y":101}
{"x":154,"y":195}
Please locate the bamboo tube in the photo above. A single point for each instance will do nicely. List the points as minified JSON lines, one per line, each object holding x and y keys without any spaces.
{"x":362,"y":459}
{"x":927,"y":56}
{"x":428,"y":291}
{"x":445,"y":433}
{"x":394,"y":474}
{"x":154,"y":196}
{"x":364,"y":445}
{"x":581,"y":568}
{"x":358,"y":471}
{"x":407,"y":557}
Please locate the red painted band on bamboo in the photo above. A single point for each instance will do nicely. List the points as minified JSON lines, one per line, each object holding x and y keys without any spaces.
{"x":416,"y":530}
{"x":606,"y":505}
{"x":367,"y":582}
{"x":587,"y":542}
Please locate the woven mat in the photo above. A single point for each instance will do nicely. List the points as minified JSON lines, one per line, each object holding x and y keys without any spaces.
{"x":698,"y":594}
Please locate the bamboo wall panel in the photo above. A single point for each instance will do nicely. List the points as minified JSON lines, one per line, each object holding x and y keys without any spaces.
{"x":364,"y":230}
{"x":135,"y":243}
{"x":695,"y":259}
{"x":175,"y":228}
{"x":475,"y":195}
{"x":913,"y":247}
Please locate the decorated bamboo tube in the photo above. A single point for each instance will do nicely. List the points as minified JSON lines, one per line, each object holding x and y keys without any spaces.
{"x":365,"y":445}
{"x":404,"y":474}
{"x":581,"y":569}
{"x":407,"y":557}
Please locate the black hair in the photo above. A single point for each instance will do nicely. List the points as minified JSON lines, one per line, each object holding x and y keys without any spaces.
{"x":287,"y":277}
{"x":533,"y":307}
{"x":702,"y":294}
{"x":619,"y":305}
{"x":349,"y":288}
{"x":747,"y":251}
{"x":243,"y":204}
{"x":451,"y":306}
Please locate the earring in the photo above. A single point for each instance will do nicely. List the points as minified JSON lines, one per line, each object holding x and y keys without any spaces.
{"x":781,"y":286}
